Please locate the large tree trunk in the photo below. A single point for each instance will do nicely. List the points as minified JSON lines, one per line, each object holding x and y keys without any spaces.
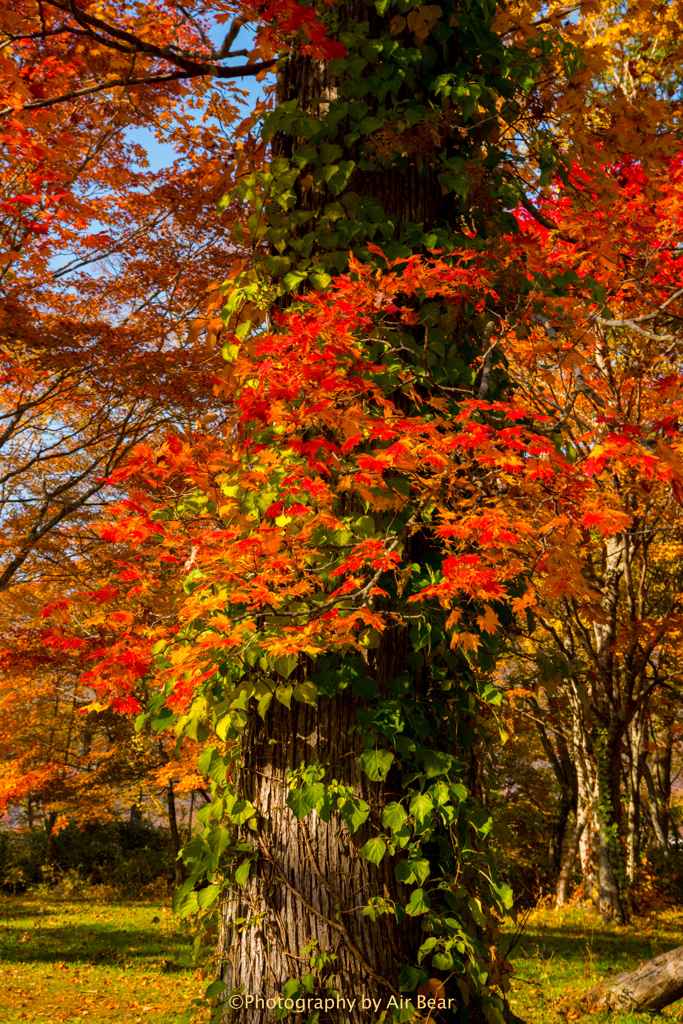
{"x":310,"y":885}
{"x":410,"y":199}
{"x":656,"y":984}
{"x":607,"y":745}
{"x":404,"y":195}
{"x":611,"y":904}
{"x":559,"y":829}
{"x":586,"y":800}
{"x":565,"y":773}
{"x":658,"y":833}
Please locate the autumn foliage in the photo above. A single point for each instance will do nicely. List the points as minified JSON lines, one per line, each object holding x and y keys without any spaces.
{"x":220,"y":494}
{"x":284,"y":537}
{"x":513,"y":489}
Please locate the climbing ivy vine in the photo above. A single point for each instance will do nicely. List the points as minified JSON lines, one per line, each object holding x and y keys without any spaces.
{"x":433,"y":92}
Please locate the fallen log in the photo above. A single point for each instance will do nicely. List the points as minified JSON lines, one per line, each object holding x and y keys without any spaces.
{"x":654,"y":985}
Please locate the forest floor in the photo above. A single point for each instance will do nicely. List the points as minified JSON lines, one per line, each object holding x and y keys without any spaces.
{"x":67,"y":960}
{"x":563,"y":953}
{"x":64,"y":961}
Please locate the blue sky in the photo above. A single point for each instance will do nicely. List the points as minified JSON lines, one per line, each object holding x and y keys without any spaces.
{"x":161,"y":155}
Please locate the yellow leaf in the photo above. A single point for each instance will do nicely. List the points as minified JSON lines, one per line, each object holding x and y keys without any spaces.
{"x":270,"y":542}
{"x":489,"y":621}
{"x":306,"y":692}
{"x":519,"y":604}
{"x":468,"y":641}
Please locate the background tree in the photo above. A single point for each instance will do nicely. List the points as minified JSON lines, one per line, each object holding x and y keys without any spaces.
{"x":617,"y":386}
{"x":104,"y":266}
{"x":63,"y":762}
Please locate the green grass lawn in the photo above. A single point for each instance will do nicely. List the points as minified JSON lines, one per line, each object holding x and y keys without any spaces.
{"x":78,"y":960}
{"x":563,"y":953}
{"x":63,"y":960}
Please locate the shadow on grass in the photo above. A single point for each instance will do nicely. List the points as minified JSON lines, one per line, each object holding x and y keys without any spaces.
{"x":27,"y":934}
{"x":562,"y":954}
{"x":608,"y":944}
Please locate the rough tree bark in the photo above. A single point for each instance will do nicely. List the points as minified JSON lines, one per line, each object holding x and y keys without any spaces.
{"x":587,"y":794}
{"x":607,"y":744}
{"x":656,"y":984}
{"x":559,"y":829}
{"x":604,"y":703}
{"x":310,"y":883}
{"x":566,"y":775}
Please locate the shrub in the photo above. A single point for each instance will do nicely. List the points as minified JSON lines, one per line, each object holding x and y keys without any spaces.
{"x":658,"y":881}
{"x":124,"y":855}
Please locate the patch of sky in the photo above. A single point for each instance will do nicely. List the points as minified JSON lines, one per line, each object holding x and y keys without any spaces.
{"x":160,"y":154}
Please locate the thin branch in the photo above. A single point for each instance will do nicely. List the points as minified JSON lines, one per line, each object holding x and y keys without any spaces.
{"x":208,"y":70}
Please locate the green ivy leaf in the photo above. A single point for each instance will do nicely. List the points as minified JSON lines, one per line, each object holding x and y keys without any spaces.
{"x":276,"y":266}
{"x":370,"y":639}
{"x":504,"y":893}
{"x":293,"y":279}
{"x":458,"y":792}
{"x":355,"y":813}
{"x":404,"y":873}
{"x":394,"y":815}
{"x":373,"y":850}
{"x":306,"y":692}
{"x":223,"y":726}
{"x":189,"y":904}
{"x":162,"y":719}
{"x":410,"y":977}
{"x":426,"y":947}
{"x":477,"y":912}
{"x":286,"y":664}
{"x":442,"y":961}
{"x":240,"y":812}
{"x":364,"y":686}
{"x":436,"y":762}
{"x":421,"y":807}
{"x":242,"y":873}
{"x":284,"y":695}
{"x":420,"y":868}
{"x":419,"y":903}
{"x":208,"y":896}
{"x":303,"y":801}
{"x":218,"y":838}
{"x":365,"y":525}
{"x":264,"y":704}
{"x":216,"y":988}
{"x":376,"y":764}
